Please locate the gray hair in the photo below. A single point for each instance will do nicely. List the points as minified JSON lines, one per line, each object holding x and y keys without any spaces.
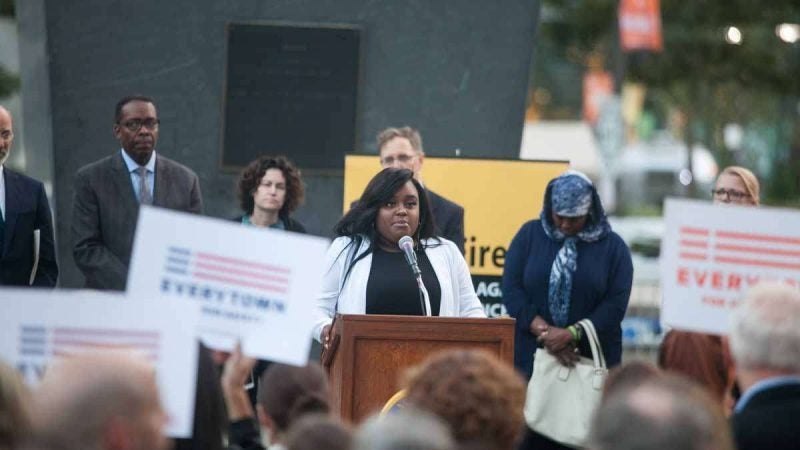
{"x":406,"y":132}
{"x":663,"y":413}
{"x":765,"y":329}
{"x":404,"y":430}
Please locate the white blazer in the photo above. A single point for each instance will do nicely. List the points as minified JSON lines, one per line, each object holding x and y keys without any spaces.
{"x":458,"y":297}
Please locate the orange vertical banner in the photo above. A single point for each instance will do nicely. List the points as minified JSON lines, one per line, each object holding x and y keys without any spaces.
{"x":597,"y":86}
{"x":640,"y":25}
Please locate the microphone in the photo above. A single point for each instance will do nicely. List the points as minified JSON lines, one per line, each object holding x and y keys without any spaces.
{"x":406,"y":244}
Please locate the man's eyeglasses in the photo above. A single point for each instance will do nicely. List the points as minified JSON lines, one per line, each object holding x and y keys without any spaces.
{"x":728,"y":194}
{"x":402,"y":159}
{"x":137,"y":124}
{"x":6,"y":135}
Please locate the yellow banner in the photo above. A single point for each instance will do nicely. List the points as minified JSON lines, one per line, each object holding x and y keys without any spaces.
{"x":498,"y":196}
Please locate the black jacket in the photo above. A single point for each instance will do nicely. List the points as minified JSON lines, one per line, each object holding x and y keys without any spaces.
{"x":26,"y":210}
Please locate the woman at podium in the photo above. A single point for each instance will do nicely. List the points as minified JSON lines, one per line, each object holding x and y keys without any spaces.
{"x":368,"y":273}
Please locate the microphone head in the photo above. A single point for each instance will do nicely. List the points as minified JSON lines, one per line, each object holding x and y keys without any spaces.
{"x":406,"y":242}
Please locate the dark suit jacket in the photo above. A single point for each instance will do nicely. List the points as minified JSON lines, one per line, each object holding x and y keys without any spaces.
{"x":449,"y":218}
{"x":769,"y":420}
{"x":105,"y":210}
{"x":27,"y":210}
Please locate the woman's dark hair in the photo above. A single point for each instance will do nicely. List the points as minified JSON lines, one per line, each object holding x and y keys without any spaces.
{"x":251,"y":177}
{"x":288,"y":392}
{"x":359,"y":222}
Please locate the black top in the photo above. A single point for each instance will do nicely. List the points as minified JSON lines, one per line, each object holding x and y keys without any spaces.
{"x":391,"y":288}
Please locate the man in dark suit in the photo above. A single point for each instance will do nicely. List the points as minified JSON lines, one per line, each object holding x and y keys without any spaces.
{"x":402,"y":148}
{"x":24,"y":210}
{"x":108,"y":193}
{"x":765,"y":344}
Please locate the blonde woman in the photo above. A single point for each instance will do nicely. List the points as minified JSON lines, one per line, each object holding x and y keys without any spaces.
{"x":736,"y":185}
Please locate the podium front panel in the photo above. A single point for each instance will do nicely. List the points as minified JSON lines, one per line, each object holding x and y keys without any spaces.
{"x":375,"y":351}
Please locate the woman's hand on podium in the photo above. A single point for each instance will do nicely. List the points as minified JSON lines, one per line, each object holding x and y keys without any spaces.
{"x":330,"y":340}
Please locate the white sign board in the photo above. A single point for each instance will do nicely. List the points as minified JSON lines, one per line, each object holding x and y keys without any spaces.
{"x":254,"y":285}
{"x":38,"y":326}
{"x":712,"y":254}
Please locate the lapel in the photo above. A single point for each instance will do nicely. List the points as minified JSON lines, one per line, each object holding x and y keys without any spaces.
{"x":123,"y":185}
{"x":13,"y":205}
{"x":161,"y":175}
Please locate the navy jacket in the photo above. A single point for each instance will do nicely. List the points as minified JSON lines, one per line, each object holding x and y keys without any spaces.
{"x":600,"y":290}
{"x":27,"y":210}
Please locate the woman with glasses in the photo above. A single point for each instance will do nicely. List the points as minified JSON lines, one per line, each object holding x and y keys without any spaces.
{"x":703,"y":357}
{"x":736,"y":185}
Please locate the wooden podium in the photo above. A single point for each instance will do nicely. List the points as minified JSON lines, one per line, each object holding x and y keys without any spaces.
{"x":371,"y":353}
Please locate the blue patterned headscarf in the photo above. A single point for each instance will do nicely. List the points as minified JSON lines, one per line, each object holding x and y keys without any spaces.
{"x":570,"y":195}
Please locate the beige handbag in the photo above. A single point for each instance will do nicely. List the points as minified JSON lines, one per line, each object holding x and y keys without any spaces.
{"x":561,"y":400}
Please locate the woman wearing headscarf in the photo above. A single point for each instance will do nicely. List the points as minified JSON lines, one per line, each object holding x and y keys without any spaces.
{"x":562,"y":268}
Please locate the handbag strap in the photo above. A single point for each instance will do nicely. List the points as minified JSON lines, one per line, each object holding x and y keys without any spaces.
{"x":594,"y":344}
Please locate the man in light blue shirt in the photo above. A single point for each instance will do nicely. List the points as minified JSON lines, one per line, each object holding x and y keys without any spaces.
{"x":765,"y":344}
{"x":109,"y":192}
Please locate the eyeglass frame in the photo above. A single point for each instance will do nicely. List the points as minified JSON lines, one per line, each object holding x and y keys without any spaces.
{"x":729,"y":194}
{"x":153,"y":124}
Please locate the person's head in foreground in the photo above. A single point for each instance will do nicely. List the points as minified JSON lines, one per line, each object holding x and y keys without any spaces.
{"x":663,"y":413}
{"x":318,"y":432}
{"x":99,"y":401}
{"x":15,"y":414}
{"x":765,"y":344}
{"x":738,"y":186}
{"x":406,"y":429}
{"x":287,"y":393}
{"x":477,"y":395}
{"x":628,"y":375}
{"x":765,"y":333}
{"x":393,"y":205}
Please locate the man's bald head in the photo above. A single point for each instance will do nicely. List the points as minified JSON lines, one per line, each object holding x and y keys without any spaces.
{"x":662,"y":413}
{"x":6,"y":134}
{"x":100,"y":401}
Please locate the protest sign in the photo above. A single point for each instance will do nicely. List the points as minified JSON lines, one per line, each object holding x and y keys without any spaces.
{"x":37,"y":327}
{"x":712,"y":254}
{"x":254,"y":285}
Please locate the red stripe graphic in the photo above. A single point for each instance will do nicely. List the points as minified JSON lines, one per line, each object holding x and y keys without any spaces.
{"x":761,"y":250}
{"x":697,"y":244}
{"x":758,"y":237}
{"x":66,"y":354}
{"x":757,"y":263}
{"x":240,"y":272}
{"x":239,"y":282}
{"x":108,"y":332}
{"x":694,"y":256}
{"x":242,"y":262}
{"x":695,"y":231}
{"x":104,"y":344}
